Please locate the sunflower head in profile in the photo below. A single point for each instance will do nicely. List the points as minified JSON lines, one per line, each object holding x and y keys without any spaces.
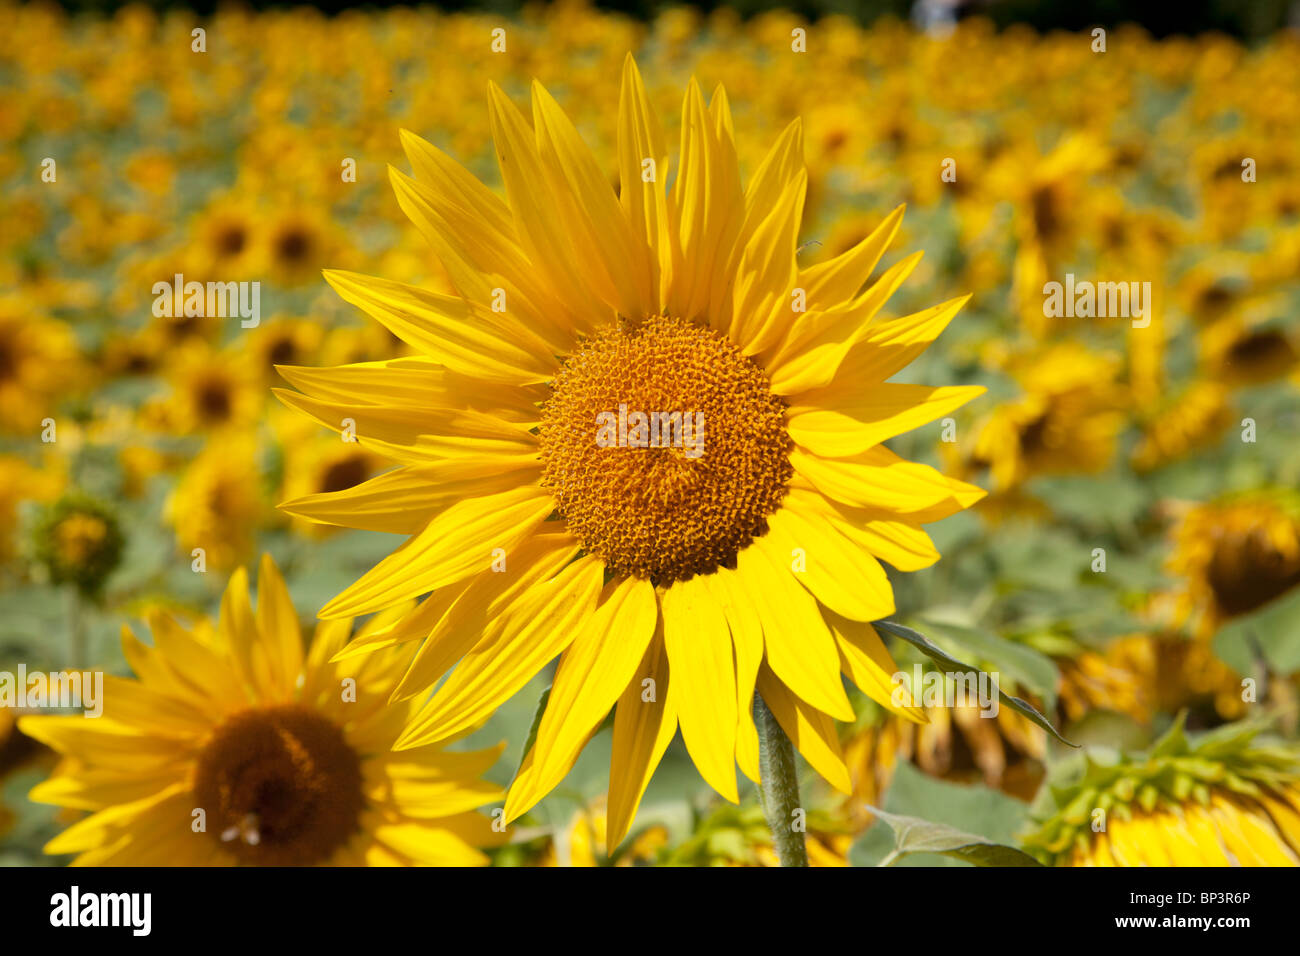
{"x":1219,"y":799}
{"x":1236,"y":555}
{"x":234,"y":745}
{"x":641,"y":438}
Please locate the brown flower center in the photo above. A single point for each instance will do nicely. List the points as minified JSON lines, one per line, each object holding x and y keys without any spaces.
{"x":280,"y":785}
{"x":1247,"y":571}
{"x":665,"y":449}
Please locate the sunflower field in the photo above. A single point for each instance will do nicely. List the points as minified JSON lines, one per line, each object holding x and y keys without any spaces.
{"x":344,"y":518}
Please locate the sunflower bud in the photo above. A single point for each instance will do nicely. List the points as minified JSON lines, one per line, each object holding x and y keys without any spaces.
{"x":78,"y":541}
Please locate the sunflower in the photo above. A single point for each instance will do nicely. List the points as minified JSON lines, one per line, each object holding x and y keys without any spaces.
{"x":1221,"y":800}
{"x":79,"y":541}
{"x":1192,"y":420}
{"x":38,"y":366}
{"x":284,"y":342}
{"x":234,"y":747}
{"x":1243,"y":353}
{"x":1235,"y":555}
{"x":210,"y":391}
{"x":744,"y":556}
{"x":297,"y":242}
{"x":1066,"y":422}
{"x":225,"y":239}
{"x":315,"y":465}
{"x":219,"y":502}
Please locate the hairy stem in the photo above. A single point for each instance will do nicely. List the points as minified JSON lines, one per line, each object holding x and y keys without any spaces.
{"x":779,"y":786}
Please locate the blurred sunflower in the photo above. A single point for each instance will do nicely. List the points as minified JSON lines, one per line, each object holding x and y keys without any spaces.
{"x":1066,"y":422}
{"x":629,"y":562}
{"x":1190,"y":420}
{"x":79,"y":541}
{"x":210,"y":390}
{"x":39,"y":362}
{"x":219,"y":502}
{"x":297,"y":242}
{"x":1243,"y":353}
{"x":1235,"y":555}
{"x":284,"y":342}
{"x":1222,"y":800}
{"x":284,"y":757}
{"x":225,"y":239}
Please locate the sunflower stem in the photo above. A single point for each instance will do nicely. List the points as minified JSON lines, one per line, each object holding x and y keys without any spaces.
{"x":76,"y":631}
{"x":779,"y":786}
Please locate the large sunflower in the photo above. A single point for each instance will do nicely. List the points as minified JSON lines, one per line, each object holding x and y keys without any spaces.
{"x":286,"y":754}
{"x":752,"y":565}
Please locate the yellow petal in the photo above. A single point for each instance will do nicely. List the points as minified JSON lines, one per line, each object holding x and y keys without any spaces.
{"x":645,"y":721}
{"x":811,"y":731}
{"x":593,"y":673}
{"x":640,"y":137}
{"x":402,"y":501}
{"x":864,"y":657}
{"x":799,"y":647}
{"x":837,"y":422}
{"x":699,"y":647}
{"x":510,"y":654}
{"x":455,"y":544}
{"x":838,"y":572}
{"x":278,"y":622}
{"x":617,"y":261}
{"x":448,"y":329}
{"x":879,"y":479}
{"x":747,"y":642}
{"x":837,"y":281}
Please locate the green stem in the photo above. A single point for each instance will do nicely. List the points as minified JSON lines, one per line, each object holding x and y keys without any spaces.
{"x":76,"y":631}
{"x":779,"y":786}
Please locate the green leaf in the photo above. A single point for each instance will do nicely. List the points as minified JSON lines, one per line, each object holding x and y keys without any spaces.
{"x":532,"y":729}
{"x":937,"y":654}
{"x":1271,"y":632}
{"x":914,"y":835}
{"x":1025,"y":665}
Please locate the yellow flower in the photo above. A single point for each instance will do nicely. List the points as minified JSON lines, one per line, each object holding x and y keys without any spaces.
{"x":219,"y":503}
{"x":1235,"y":555}
{"x":210,"y":391}
{"x":744,"y":556}
{"x":1241,"y":353}
{"x":234,"y":747}
{"x":1065,"y":423}
{"x":39,"y":364}
{"x":1193,"y":419}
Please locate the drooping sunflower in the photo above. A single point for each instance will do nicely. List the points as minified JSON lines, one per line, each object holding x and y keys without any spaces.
{"x":1235,"y":555}
{"x":287,"y":754}
{"x":673,"y":580}
{"x":1221,"y":799}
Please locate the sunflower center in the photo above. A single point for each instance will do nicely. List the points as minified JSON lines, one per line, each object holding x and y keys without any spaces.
{"x":664,"y":448}
{"x":280,"y":785}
